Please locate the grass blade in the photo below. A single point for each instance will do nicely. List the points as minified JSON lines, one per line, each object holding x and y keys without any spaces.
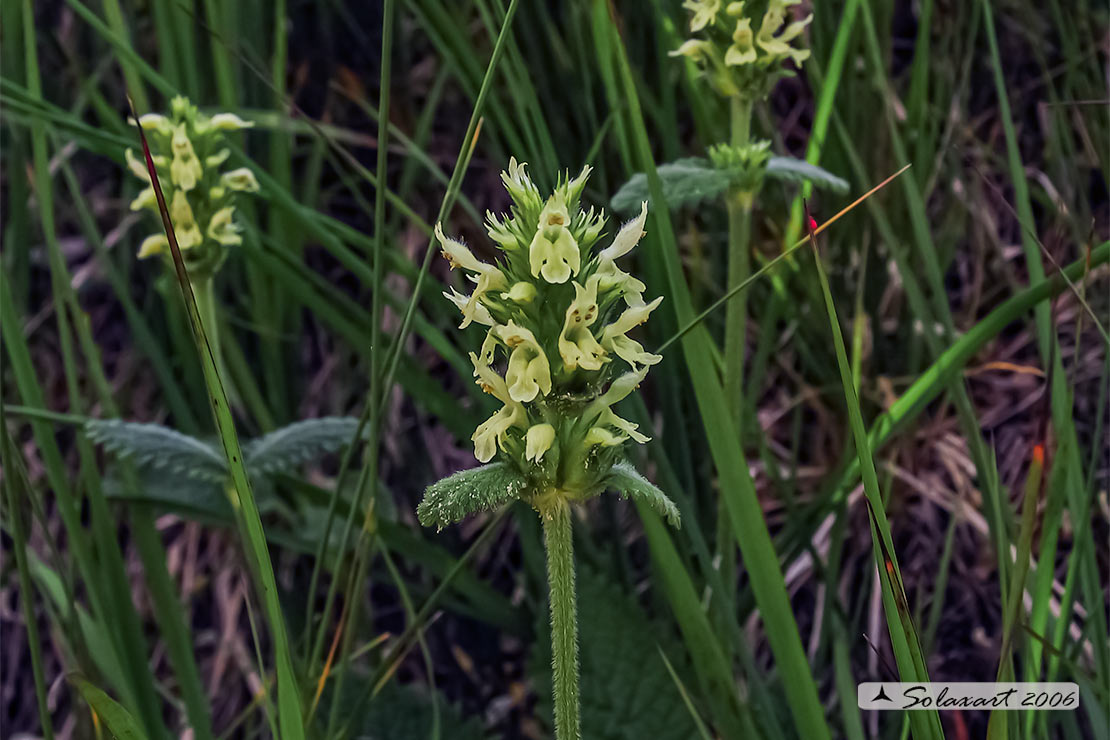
{"x":242,"y":498}
{"x":903,"y":635}
{"x":744,"y":508}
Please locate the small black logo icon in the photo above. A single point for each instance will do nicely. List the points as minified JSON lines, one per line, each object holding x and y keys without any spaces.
{"x":882,"y":695}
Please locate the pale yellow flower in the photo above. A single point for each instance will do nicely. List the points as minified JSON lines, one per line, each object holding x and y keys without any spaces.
{"x":488,"y":277}
{"x":241,"y":179}
{"x":520,"y":293}
{"x":614,"y":336}
{"x":152,"y":245}
{"x":609,"y":275}
{"x":228,"y":122}
{"x":777,"y":45}
{"x":553,"y":252}
{"x":538,"y":441}
{"x":695,"y":49}
{"x":577,"y":345}
{"x":529,"y":373}
{"x":222,"y":228}
{"x":705,"y":13}
{"x":490,"y":434}
{"x":185,"y":169}
{"x":218,"y":158}
{"x":184,"y":224}
{"x":145,"y":199}
{"x":742,"y":51}
{"x":138,"y":166}
{"x":480,"y":313}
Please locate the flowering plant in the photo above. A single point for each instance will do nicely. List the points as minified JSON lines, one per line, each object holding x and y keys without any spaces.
{"x":188,"y":150}
{"x":558,"y":312}
{"x":743,"y":46}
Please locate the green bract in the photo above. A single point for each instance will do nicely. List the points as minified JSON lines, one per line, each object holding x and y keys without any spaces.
{"x":557,"y":352}
{"x":188,"y":151}
{"x":743,"y":46}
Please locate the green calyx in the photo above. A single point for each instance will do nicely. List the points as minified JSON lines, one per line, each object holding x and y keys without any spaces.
{"x":742,"y":47}
{"x":745,"y":165}
{"x":187,"y":148}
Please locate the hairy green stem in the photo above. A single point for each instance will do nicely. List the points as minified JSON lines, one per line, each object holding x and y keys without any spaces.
{"x":564,"y":621}
{"x":739,"y":204}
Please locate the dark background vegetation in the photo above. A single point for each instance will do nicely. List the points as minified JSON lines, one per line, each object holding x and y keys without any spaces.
{"x":304,"y":342}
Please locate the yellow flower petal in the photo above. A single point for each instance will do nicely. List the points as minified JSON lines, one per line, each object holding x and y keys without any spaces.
{"x":228,"y":122}
{"x":520,"y":293}
{"x":528,"y":374}
{"x":218,"y":158}
{"x":480,"y":313}
{"x":185,"y":169}
{"x":145,"y":199}
{"x":152,"y":245}
{"x":742,"y":51}
{"x":695,"y":49}
{"x":184,"y":224}
{"x":240,"y":179}
{"x":553,"y":252}
{"x":705,"y":13}
{"x":538,"y":440}
{"x":488,"y":278}
{"x":221,"y":227}
{"x":577,"y":345}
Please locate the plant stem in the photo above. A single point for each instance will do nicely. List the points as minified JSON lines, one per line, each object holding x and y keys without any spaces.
{"x":739,"y":204}
{"x":564,"y":621}
{"x":206,"y":306}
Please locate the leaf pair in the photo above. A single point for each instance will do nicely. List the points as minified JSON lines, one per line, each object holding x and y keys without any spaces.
{"x":197,"y":469}
{"x":690,"y":180}
{"x":490,"y":486}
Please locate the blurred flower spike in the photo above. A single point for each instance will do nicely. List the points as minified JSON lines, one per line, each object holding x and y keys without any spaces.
{"x":558,"y":312}
{"x":188,"y":150}
{"x":742,"y":47}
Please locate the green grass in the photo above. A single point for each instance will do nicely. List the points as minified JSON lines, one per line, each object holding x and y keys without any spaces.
{"x":862,"y":372}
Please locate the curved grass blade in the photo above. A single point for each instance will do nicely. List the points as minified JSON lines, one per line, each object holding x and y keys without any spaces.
{"x":903,"y":635}
{"x":121,"y":725}
{"x":15,"y":526}
{"x":242,"y":498}
{"x":745,"y":512}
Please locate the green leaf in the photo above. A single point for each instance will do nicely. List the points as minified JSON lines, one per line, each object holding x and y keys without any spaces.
{"x":626,"y":689}
{"x":200,"y":500}
{"x":798,"y":170}
{"x":158,"y":447}
{"x":405,"y":713}
{"x":120,"y":724}
{"x":470,"y":491}
{"x":282,"y":450}
{"x":685,"y":182}
{"x":630,"y":484}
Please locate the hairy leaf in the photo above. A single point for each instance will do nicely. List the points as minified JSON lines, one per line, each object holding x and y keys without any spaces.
{"x":798,"y":170}
{"x":627,"y":692}
{"x":160,"y":448}
{"x":281,"y":451}
{"x":685,"y":182}
{"x":469,"y":491}
{"x":628,"y":481}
